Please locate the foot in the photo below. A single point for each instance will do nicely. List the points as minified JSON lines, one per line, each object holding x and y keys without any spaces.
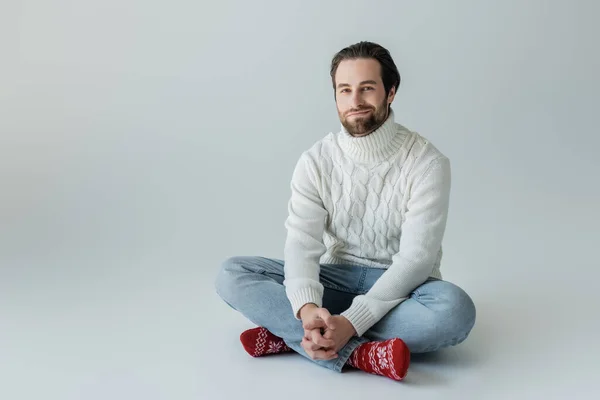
{"x":389,"y":358}
{"x":259,"y":342}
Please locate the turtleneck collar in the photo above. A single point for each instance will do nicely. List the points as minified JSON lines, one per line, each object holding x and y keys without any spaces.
{"x":377,"y":146}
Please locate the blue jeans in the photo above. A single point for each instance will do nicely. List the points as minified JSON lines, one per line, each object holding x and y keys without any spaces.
{"x":438,"y":314}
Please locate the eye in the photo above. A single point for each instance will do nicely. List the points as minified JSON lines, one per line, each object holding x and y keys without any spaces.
{"x":367,"y":88}
{"x":344,"y":90}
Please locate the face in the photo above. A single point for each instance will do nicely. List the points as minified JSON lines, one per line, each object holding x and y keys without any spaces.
{"x":360,"y":98}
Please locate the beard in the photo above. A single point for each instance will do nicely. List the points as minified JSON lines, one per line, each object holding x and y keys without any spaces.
{"x":361,"y":126}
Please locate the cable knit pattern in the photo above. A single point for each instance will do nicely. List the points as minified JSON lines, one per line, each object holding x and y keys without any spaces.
{"x":379,"y":201}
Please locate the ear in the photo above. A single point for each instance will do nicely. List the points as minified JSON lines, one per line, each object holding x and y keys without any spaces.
{"x":391,"y":95}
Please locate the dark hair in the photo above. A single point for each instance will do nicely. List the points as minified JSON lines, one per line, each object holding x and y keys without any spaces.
{"x":389,"y":72}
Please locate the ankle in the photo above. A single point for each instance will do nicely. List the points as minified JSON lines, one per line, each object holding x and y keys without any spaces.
{"x":390,"y":358}
{"x":260,"y":342}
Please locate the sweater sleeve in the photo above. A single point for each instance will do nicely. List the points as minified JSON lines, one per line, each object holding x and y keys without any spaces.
{"x":304,"y":244}
{"x":421,"y":239}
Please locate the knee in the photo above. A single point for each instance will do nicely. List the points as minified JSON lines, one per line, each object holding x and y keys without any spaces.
{"x":451,"y":316}
{"x":459,"y":313}
{"x":228,"y":277}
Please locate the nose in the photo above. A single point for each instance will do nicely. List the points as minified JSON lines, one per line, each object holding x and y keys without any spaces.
{"x":356,"y":99}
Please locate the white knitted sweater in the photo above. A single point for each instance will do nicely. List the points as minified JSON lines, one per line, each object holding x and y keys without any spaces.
{"x":379,"y":201}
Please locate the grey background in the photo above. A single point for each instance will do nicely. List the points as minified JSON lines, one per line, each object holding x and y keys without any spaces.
{"x":143,"y":142}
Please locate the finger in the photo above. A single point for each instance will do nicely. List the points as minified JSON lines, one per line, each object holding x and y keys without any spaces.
{"x":305,"y":343}
{"x":324,"y":314}
{"x":318,"y":354}
{"x":309,"y":345}
{"x":328,"y":334}
{"x":308,"y":334}
{"x":319,"y":340}
{"x":314,"y":324}
{"x":312,"y":346}
{"x":324,"y":355}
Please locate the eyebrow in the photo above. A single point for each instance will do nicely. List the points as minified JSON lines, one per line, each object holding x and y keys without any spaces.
{"x":369,"y":82}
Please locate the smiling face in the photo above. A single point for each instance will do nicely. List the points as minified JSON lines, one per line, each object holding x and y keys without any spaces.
{"x":360,"y":97}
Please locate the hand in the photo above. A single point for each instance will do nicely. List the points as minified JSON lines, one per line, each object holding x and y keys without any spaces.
{"x":316,"y":320}
{"x":343,"y":332}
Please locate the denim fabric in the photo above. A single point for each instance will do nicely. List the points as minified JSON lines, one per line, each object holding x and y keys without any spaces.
{"x":438,"y":314}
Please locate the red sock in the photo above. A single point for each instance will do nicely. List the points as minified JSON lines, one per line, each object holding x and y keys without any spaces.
{"x":389,"y":358}
{"x":259,"y":342}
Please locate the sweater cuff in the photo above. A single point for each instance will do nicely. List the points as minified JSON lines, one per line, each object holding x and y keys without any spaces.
{"x":304,"y":296}
{"x":360,"y":317}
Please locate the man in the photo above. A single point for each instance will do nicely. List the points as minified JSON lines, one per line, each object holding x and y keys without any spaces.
{"x":360,"y":284}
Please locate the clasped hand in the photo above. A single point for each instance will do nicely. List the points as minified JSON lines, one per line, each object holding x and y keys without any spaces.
{"x":324,"y":334}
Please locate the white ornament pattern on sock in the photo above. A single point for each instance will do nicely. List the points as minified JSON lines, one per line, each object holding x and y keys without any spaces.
{"x":382,"y":355}
{"x":261,"y":340}
{"x":373,"y":361}
{"x":275,"y":347}
{"x":392,"y":369}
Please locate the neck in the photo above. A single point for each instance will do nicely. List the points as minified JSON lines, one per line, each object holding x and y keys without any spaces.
{"x":375,"y":146}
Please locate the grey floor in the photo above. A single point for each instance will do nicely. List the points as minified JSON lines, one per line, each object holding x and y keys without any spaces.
{"x":148,"y":328}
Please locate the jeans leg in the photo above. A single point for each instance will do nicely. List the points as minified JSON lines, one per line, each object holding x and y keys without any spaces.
{"x":254,"y":287}
{"x":438,"y":314}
